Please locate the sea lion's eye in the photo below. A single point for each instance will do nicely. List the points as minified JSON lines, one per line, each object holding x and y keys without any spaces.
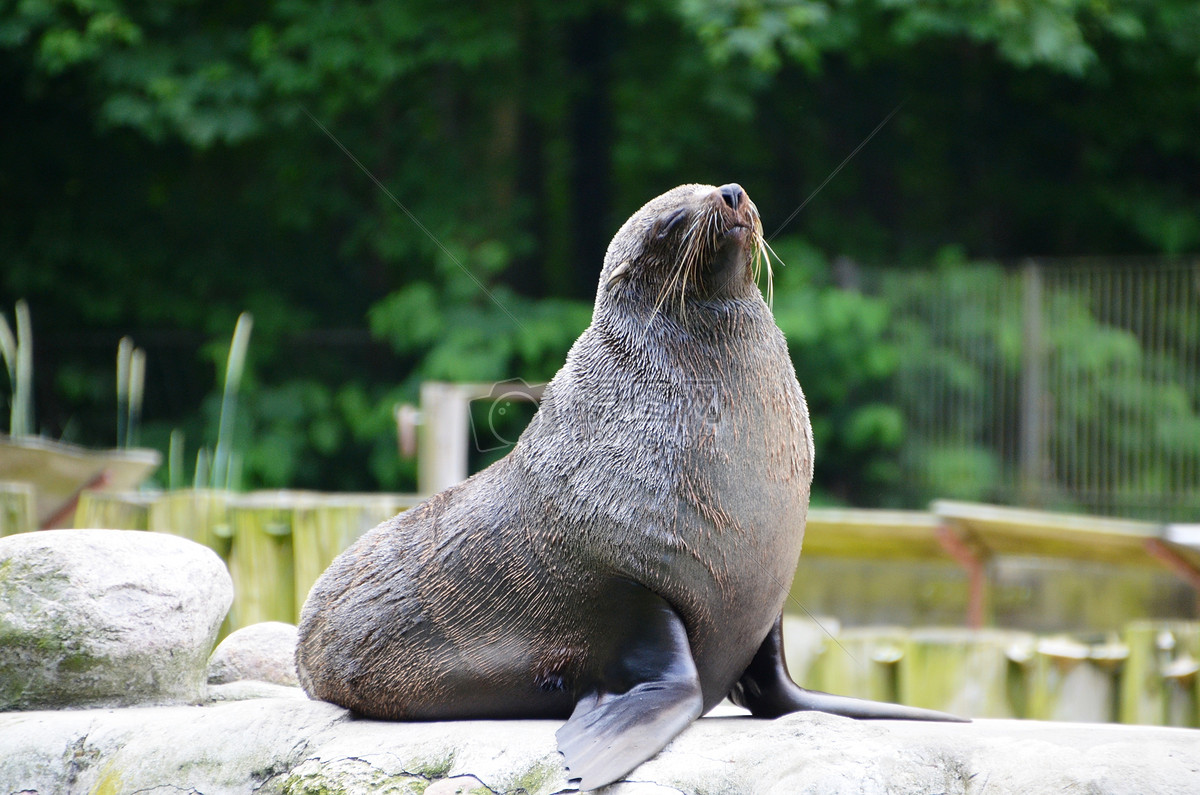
{"x":619,"y":275}
{"x":667,"y":224}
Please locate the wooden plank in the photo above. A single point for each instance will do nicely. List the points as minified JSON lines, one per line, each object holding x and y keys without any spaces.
{"x":17,"y":512}
{"x":59,"y":471}
{"x":858,"y":533}
{"x":1018,"y":532}
{"x":1183,"y":540}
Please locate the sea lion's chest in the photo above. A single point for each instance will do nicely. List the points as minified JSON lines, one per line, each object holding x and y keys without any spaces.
{"x":690,"y":476}
{"x":724,"y":547}
{"x":744,"y":487}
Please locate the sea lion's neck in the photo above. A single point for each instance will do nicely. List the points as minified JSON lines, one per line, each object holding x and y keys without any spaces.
{"x":700,"y":331}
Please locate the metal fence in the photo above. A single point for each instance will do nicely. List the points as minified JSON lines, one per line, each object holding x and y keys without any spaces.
{"x":1063,"y":385}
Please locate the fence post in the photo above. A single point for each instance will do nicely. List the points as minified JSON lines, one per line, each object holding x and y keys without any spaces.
{"x":965,"y":672}
{"x":1158,"y":685}
{"x":446,"y":435}
{"x":113,"y":510}
{"x":261,"y":558}
{"x":18,"y":508}
{"x":445,"y":438}
{"x":861,"y":661}
{"x":1074,"y":681}
{"x":1032,"y":386}
{"x":196,"y":514}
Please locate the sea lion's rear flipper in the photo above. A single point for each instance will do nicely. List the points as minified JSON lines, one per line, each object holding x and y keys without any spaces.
{"x":646,"y":689}
{"x":768,"y":691}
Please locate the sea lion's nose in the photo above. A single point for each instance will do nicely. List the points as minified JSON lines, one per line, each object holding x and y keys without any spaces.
{"x":732,"y":194}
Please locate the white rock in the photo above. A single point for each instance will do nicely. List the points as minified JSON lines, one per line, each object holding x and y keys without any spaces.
{"x":248,"y":688}
{"x":459,"y":785}
{"x":107,"y":618}
{"x":263,"y":652}
{"x":291,"y":746}
{"x":224,"y":749}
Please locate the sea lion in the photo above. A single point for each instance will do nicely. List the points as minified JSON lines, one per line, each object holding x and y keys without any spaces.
{"x":626,"y":564}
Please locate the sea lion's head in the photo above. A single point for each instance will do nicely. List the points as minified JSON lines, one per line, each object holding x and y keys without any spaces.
{"x":692,"y":243}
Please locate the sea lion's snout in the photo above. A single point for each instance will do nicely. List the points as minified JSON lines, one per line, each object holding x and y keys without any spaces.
{"x":733,"y":195}
{"x":735,"y":216}
{"x":732,"y":204}
{"x":735,"y":221}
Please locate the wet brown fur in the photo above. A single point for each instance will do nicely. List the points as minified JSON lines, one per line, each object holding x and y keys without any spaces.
{"x":672,"y":449}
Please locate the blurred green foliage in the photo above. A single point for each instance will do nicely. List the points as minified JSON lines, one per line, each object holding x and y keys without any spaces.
{"x":162,"y":174}
{"x":1115,"y":354}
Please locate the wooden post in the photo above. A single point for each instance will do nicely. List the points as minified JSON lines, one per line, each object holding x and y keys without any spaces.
{"x":447,"y":437}
{"x":445,"y":431}
{"x":325,"y":525}
{"x":860,"y":662}
{"x":261,"y":559}
{"x":113,"y":510}
{"x":18,"y":508}
{"x":962,"y":671}
{"x":976,"y":568}
{"x":1158,"y":685}
{"x":1032,"y":377}
{"x":200,"y":515}
{"x":1073,"y":681}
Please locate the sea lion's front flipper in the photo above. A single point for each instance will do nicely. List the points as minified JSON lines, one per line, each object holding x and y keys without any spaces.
{"x":768,"y":691}
{"x":646,"y":689}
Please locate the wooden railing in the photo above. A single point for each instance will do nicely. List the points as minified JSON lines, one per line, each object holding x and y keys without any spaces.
{"x":277,"y":543}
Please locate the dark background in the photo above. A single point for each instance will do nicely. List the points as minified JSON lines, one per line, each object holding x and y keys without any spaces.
{"x":160,"y":173}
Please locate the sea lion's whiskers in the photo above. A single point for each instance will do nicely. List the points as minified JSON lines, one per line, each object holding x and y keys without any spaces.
{"x":705,"y":243}
{"x":692,"y":242}
{"x":764,"y":252}
{"x":699,"y":241}
{"x":687,"y":266}
{"x":687,"y":253}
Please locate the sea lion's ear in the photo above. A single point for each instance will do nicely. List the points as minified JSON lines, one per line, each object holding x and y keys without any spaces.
{"x":619,"y":275}
{"x":668,"y":223}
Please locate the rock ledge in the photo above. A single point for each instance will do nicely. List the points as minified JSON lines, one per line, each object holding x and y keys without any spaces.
{"x":293,"y":745}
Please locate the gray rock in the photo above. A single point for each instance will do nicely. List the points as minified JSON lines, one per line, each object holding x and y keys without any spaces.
{"x":291,"y":746}
{"x":248,"y":688}
{"x":107,"y":618}
{"x":223,"y":749}
{"x":459,"y":785}
{"x":264,"y":652}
